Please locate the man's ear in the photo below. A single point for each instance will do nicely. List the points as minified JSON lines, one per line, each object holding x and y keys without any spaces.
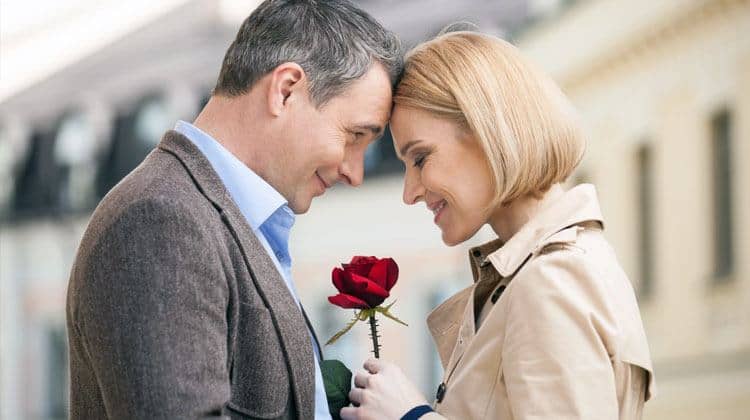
{"x":287,"y":83}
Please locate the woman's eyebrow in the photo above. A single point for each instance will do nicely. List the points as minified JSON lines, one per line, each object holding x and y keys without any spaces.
{"x":408,"y":146}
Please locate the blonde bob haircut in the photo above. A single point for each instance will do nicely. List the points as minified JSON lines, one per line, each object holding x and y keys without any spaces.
{"x":526,"y":126}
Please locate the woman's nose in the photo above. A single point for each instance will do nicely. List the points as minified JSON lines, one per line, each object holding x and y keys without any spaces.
{"x":413,"y":190}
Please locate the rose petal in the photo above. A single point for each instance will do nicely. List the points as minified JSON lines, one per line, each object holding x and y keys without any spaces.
{"x":344,"y":283}
{"x":385,"y":273}
{"x":392,"y":274}
{"x":360,"y":265}
{"x":379,"y":272}
{"x":363,"y":260}
{"x":360,"y":269}
{"x":348,"y":302}
{"x":337,"y":276}
{"x":366,"y":289}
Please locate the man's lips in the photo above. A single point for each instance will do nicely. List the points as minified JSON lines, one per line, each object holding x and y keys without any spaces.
{"x":323,"y":181}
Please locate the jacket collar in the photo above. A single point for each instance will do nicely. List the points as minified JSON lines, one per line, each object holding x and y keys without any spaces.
{"x":452,"y":323}
{"x":575,"y":206}
{"x":265,"y":277}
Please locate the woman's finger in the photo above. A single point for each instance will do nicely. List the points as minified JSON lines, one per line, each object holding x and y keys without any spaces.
{"x":356,"y":395}
{"x":349,"y":413}
{"x":361,"y":379}
{"x":373,"y":365}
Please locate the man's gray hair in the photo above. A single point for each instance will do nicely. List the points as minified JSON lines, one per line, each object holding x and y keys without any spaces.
{"x":334,"y":41}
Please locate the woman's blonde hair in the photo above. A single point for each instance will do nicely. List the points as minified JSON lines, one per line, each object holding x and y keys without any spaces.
{"x":525,"y":124}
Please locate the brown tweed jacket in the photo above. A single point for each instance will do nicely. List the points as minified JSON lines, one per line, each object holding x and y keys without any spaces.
{"x":175,"y":310}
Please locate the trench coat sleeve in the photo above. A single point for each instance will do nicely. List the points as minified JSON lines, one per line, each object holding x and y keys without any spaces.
{"x":555,"y":361}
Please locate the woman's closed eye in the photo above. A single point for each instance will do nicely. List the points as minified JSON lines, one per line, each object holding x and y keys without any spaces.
{"x":420,"y":158}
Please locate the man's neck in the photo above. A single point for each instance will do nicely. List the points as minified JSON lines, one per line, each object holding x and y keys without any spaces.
{"x":228,"y":121}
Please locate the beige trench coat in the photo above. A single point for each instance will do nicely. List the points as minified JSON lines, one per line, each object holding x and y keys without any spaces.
{"x":549,"y":330}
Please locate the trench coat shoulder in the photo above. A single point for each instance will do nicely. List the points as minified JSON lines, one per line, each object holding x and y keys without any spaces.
{"x":576,"y":270}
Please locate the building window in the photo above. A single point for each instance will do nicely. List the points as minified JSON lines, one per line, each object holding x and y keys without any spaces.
{"x":59,"y":171}
{"x":153,"y":118}
{"x":35,"y":184}
{"x":135,"y":133}
{"x":644,"y":176}
{"x":721,"y":147}
{"x":75,"y":153}
{"x":14,"y":148}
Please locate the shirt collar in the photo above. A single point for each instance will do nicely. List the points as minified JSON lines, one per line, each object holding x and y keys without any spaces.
{"x":577,"y":205}
{"x":257,"y":199}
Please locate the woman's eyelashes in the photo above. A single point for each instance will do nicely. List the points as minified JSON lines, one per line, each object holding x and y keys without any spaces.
{"x":420,"y":157}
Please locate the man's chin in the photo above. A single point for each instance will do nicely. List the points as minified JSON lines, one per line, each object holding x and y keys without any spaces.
{"x":300,"y":206}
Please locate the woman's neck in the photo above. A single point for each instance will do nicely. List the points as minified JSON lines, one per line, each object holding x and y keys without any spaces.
{"x":510,"y":218}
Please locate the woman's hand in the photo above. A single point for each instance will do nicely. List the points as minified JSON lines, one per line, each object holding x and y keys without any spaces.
{"x":382,"y":392}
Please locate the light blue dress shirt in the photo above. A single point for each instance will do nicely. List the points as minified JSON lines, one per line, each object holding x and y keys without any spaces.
{"x":268,"y":215}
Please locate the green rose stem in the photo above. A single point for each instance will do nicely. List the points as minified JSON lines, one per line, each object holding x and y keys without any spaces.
{"x":374,"y":335}
{"x":363,"y":316}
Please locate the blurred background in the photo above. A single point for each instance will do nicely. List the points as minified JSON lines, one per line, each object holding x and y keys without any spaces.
{"x":87,"y":88}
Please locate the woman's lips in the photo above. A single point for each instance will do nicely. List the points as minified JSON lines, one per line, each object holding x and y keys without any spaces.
{"x":438,"y":210}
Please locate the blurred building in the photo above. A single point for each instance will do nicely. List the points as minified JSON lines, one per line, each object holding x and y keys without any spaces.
{"x":89,"y":87}
{"x":665,"y":90}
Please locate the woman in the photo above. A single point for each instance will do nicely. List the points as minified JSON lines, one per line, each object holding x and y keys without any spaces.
{"x":550,"y":329}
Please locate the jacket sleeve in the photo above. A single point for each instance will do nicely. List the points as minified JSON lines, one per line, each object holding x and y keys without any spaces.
{"x":554,"y":360}
{"x":151,"y":309}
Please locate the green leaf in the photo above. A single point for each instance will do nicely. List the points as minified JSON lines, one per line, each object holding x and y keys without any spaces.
{"x":337,"y":379}
{"x":385,"y":311}
{"x":342,"y":332}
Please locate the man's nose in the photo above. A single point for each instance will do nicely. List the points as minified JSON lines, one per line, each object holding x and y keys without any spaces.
{"x":352,"y":169}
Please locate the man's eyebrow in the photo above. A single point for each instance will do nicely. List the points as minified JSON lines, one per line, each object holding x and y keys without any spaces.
{"x":407,"y":146}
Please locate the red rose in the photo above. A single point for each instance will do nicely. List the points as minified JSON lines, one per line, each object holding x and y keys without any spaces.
{"x":364,"y":283}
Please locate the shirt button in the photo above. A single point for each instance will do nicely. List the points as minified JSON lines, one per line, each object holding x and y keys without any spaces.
{"x":440,"y":393}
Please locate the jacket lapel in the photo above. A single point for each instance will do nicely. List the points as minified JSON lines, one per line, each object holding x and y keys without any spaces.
{"x":444,"y":323}
{"x":289,"y":321}
{"x":319,"y":354}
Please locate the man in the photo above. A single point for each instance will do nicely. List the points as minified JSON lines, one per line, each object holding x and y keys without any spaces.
{"x":181,"y":302}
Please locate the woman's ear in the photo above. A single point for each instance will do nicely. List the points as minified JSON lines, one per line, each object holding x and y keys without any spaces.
{"x":287,"y":81}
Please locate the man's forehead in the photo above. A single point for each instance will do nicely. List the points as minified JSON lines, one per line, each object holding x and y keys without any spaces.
{"x":374,"y":86}
{"x":366,"y":115}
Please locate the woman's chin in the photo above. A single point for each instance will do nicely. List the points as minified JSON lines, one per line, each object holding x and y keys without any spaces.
{"x":452,"y":239}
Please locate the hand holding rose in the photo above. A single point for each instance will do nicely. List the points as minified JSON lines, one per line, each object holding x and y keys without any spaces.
{"x":382,"y":392}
